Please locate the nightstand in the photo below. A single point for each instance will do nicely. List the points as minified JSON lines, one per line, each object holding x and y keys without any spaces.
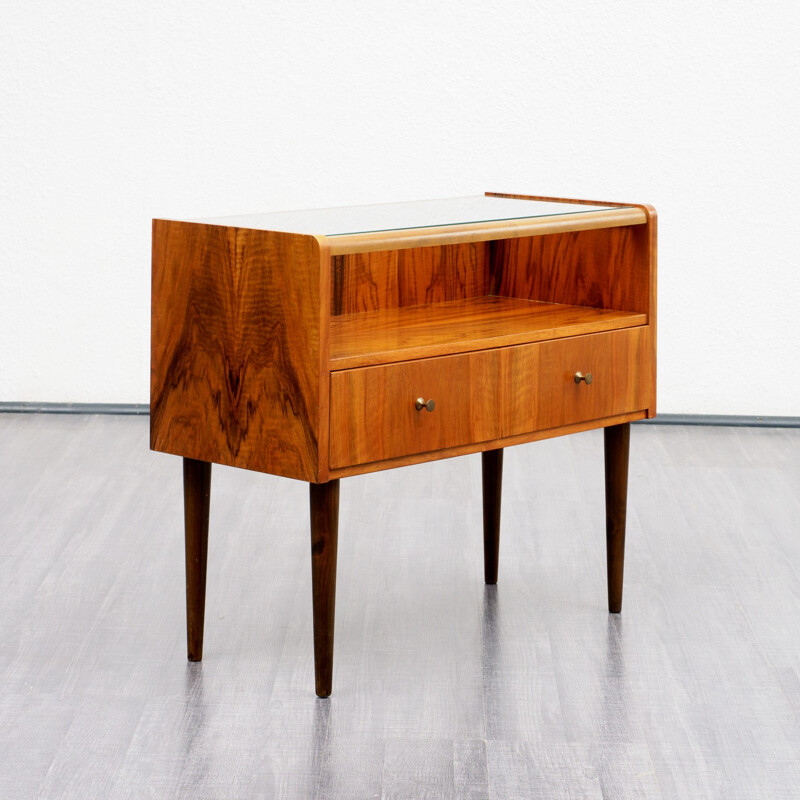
{"x":322,"y":344}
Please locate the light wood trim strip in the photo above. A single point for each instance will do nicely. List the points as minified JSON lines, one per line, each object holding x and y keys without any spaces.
{"x":575,"y":200}
{"x":463,"y":450}
{"x":376,"y":241}
{"x":652,"y":226}
{"x":324,"y":358}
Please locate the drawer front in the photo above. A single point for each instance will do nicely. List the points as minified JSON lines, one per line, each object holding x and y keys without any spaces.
{"x":620,"y":365}
{"x":483,"y":396}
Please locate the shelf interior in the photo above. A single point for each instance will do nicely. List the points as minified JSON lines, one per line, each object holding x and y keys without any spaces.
{"x":459,"y":326}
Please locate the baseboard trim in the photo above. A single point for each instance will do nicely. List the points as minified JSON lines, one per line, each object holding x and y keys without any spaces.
{"x":141,"y":409}
{"x":722,"y":421}
{"x":75,"y":408}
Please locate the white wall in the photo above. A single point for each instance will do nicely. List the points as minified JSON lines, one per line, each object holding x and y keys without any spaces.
{"x":112,"y":113}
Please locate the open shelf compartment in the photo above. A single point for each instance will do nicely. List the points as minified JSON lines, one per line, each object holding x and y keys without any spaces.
{"x":400,"y":305}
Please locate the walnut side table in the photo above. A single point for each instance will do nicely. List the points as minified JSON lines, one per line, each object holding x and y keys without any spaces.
{"x":321,"y":344}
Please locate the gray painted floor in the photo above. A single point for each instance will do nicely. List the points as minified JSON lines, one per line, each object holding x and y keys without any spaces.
{"x":442,"y":687}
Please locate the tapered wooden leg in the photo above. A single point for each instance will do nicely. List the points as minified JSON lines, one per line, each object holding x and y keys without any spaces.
{"x":617,"y":445}
{"x":324,"y":535}
{"x":492,"y":465}
{"x":196,"y":499}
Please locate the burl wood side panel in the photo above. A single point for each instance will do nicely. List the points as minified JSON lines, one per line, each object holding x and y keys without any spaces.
{"x":237,"y":331}
{"x":605,"y":268}
{"x":485,"y":396}
{"x":399,"y":278}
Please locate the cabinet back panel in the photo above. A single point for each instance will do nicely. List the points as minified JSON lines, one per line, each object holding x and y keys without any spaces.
{"x":417,"y":276}
{"x":605,"y":268}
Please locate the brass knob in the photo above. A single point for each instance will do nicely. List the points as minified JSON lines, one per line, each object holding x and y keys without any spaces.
{"x":579,"y":376}
{"x":420,"y":404}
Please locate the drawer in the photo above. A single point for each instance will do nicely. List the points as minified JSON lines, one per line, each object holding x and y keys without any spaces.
{"x":484,"y":395}
{"x":621,"y":368}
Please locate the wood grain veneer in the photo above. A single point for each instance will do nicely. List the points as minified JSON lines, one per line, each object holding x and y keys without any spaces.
{"x":621,"y":377}
{"x":485,"y":395}
{"x":239,"y":345}
{"x":459,"y":326}
{"x":399,"y":278}
{"x":600,"y":268}
{"x":480,"y":447}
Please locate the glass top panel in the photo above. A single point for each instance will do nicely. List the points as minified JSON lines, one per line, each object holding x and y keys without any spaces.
{"x":401,"y":216}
